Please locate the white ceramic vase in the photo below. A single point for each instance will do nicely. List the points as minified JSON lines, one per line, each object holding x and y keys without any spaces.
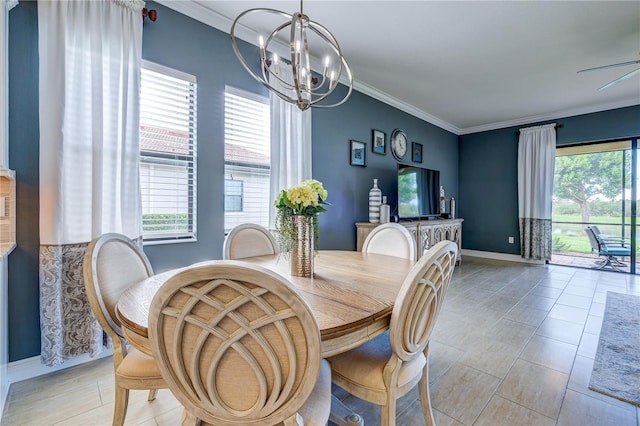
{"x":375,"y":200}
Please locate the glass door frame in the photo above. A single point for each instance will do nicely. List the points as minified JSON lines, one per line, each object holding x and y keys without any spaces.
{"x":634,"y":192}
{"x":634,"y":180}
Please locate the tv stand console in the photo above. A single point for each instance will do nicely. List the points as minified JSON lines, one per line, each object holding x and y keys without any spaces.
{"x":425,"y":232}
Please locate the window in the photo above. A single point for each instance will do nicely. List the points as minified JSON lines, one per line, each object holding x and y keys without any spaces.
{"x":232,"y":195}
{"x":167,"y":153}
{"x":247,"y":158}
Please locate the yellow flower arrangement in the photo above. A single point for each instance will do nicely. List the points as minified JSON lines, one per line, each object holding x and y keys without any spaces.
{"x":308,"y":200}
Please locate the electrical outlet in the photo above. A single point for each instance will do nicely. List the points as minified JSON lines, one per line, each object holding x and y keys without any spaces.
{"x":510,"y":240}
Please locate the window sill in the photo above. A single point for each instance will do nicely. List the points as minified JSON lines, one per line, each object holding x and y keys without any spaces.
{"x":169,"y":241}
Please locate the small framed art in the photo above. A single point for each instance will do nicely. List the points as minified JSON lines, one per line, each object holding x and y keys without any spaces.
{"x":378,"y":142}
{"x":416,"y":150}
{"x":358,"y":153}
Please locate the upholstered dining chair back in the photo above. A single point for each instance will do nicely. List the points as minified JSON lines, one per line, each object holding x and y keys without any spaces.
{"x":391,"y":239}
{"x":236,"y":344}
{"x":248,"y":240}
{"x":420,"y":299}
{"x":112,"y":263}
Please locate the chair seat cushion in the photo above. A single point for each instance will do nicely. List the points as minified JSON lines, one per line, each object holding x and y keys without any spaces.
{"x":363,"y":366}
{"x":616,"y":251}
{"x":138,"y":365}
{"x":317,"y":409}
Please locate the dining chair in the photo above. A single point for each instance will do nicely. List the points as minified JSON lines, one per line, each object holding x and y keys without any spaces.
{"x":391,"y":239}
{"x":112,"y":263}
{"x":248,"y":240}
{"x":237,"y":344}
{"x":389,"y":366}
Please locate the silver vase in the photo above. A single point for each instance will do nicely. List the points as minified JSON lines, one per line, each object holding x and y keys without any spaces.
{"x":302,"y":250}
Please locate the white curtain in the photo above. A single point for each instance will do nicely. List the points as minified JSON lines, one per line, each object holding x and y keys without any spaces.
{"x":290,"y":143}
{"x":536,"y":162}
{"x":90,"y":58}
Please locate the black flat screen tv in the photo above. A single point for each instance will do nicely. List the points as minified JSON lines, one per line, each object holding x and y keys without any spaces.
{"x":418,"y":192}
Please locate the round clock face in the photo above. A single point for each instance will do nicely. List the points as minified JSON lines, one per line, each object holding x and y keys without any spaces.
{"x":399,"y":144}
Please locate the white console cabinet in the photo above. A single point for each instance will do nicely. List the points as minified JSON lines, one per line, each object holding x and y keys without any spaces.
{"x":425,"y":232}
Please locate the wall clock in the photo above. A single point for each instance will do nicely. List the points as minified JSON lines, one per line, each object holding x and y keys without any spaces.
{"x":398,"y":144}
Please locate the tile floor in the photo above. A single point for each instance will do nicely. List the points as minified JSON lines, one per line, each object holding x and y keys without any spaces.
{"x":514,"y":345}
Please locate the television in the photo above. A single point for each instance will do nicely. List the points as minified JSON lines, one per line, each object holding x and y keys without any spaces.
{"x":418,"y":192}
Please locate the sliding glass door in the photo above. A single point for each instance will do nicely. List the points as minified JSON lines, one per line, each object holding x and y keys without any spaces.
{"x":595,"y":186}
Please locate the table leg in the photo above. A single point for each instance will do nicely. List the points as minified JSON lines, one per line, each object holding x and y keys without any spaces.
{"x":342,"y":415}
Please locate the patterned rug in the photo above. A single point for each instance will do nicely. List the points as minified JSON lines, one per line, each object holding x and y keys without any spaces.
{"x":616,"y":370}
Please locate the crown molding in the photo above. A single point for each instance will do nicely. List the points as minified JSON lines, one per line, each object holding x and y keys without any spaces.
{"x":550,"y":116}
{"x":403,"y":106}
{"x":199,"y":13}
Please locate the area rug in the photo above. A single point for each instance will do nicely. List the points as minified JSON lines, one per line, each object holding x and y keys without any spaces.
{"x":616,"y":370}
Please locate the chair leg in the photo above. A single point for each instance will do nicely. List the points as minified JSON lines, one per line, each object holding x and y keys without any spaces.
{"x":120,"y":409}
{"x":611,"y":262}
{"x":617,"y":261}
{"x":388,"y":413}
{"x":425,"y":399}
{"x":153,"y":393}
{"x":189,"y":419}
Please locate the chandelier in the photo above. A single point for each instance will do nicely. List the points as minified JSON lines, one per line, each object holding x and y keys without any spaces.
{"x":308,"y":88}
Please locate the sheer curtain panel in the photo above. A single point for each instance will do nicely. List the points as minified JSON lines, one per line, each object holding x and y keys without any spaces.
{"x":290,"y":143}
{"x":536,"y":162}
{"x":90,"y":58}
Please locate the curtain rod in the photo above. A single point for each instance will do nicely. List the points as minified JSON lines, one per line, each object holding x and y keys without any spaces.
{"x":152,"y":14}
{"x":517,"y":132}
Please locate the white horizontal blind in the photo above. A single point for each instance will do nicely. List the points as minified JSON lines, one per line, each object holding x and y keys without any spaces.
{"x":247,"y":158}
{"x":167,"y":153}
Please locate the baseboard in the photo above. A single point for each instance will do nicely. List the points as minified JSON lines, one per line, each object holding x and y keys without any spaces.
{"x":4,"y":393}
{"x":32,"y":367}
{"x":499,"y":256}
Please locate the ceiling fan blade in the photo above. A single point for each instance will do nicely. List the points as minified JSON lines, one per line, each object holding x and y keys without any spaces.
{"x":621,"y":64}
{"x":618,"y":80}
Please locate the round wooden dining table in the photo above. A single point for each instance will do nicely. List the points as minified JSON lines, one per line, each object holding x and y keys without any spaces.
{"x":351,"y":295}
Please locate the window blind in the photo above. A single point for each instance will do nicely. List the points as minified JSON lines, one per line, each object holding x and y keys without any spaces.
{"x":247,"y":158}
{"x":167,"y":153}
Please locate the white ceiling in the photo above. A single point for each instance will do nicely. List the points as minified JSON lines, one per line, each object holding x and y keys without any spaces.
{"x":469,"y":66}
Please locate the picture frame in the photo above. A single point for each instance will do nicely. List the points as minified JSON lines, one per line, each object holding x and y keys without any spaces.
{"x":416,"y":152}
{"x":357,"y":153}
{"x":378,"y":142}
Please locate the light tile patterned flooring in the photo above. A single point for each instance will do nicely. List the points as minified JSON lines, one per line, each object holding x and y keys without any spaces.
{"x":514,"y":345}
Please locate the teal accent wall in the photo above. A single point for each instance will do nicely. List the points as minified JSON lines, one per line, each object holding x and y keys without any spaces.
{"x":488,"y":178}
{"x":349,"y":186}
{"x":177,"y":41}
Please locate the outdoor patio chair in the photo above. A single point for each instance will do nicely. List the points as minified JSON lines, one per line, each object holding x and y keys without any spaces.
{"x":609,"y":251}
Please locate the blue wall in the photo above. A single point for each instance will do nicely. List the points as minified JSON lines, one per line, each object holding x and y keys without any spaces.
{"x":179,"y":42}
{"x":349,"y":186}
{"x":488,"y":178}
